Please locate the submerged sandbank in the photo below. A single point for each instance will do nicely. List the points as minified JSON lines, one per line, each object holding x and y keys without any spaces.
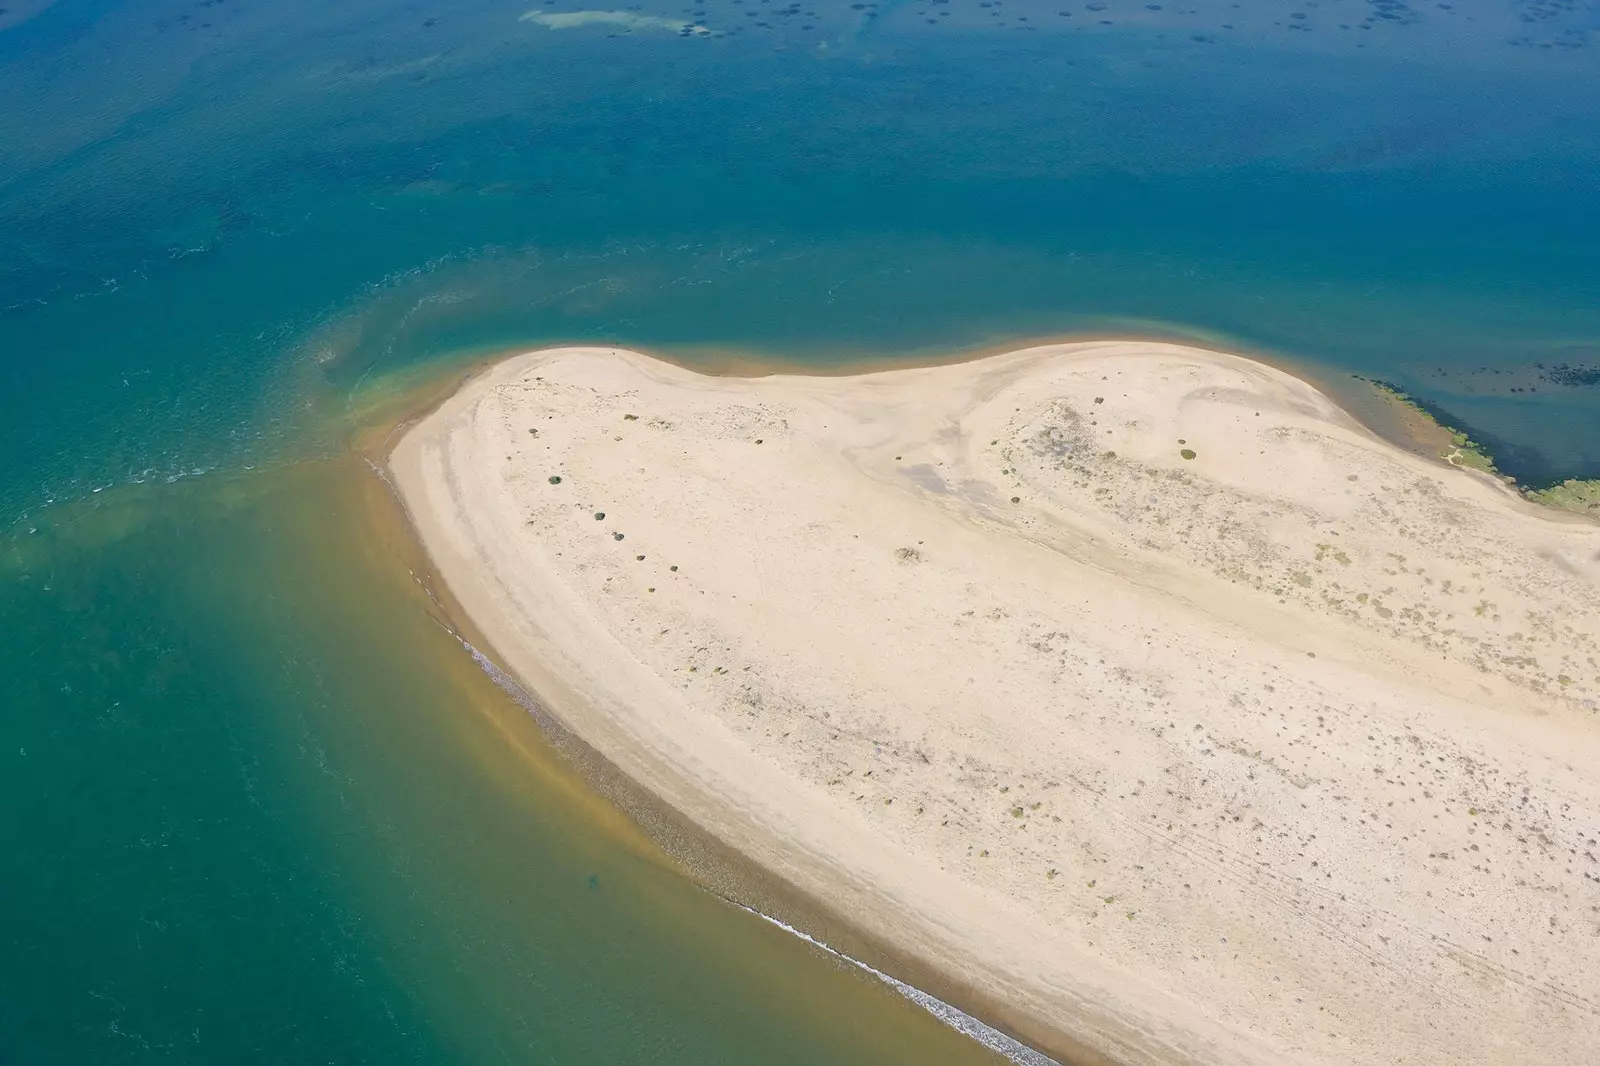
{"x":1133,"y":683}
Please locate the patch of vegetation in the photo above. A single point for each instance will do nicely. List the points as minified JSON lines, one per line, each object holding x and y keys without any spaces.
{"x":1187,"y":453}
{"x":1338,"y":555}
{"x":1571,"y":495}
{"x":1463,"y":451}
{"x":1468,"y":453}
{"x":555,"y":479}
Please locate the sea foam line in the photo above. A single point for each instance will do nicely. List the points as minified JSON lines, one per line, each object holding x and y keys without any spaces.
{"x":954,"y":1017}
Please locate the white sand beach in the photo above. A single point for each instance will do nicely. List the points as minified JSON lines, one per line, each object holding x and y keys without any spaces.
{"x":1135,"y":684}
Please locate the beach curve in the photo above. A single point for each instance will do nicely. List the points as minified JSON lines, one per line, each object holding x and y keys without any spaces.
{"x":1132,"y":682}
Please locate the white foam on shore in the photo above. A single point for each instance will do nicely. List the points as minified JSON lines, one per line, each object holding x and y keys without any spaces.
{"x":954,"y":1017}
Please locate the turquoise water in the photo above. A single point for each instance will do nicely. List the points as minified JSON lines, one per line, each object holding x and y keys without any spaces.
{"x":260,"y":806}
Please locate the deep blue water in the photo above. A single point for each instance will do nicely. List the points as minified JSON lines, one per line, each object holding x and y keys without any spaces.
{"x":224,"y":223}
{"x":194,"y":197}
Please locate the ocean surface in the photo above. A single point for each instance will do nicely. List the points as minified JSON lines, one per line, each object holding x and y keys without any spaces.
{"x":259,"y":804}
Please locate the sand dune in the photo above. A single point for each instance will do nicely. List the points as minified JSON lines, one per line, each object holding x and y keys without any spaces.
{"x":1132,"y":682}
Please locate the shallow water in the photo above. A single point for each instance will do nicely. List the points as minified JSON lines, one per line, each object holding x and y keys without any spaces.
{"x":264,"y":809}
{"x":263,"y":806}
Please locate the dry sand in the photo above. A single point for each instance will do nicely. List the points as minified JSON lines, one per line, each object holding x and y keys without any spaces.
{"x":1287,"y":752}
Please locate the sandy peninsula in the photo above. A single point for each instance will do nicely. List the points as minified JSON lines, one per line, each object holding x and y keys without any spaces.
{"x":1136,"y":684}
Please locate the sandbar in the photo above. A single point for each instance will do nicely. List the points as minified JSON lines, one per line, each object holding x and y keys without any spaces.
{"x":1135,"y":684}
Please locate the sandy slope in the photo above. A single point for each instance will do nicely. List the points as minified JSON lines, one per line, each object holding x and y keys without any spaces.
{"x":1284,"y":753}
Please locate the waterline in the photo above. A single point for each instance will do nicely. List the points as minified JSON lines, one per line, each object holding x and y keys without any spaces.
{"x":954,"y":1017}
{"x":986,"y":1035}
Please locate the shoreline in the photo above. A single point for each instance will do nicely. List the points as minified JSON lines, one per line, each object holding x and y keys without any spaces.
{"x":735,"y":878}
{"x":1457,"y":448}
{"x":1371,"y":402}
{"x":1180,"y":1033}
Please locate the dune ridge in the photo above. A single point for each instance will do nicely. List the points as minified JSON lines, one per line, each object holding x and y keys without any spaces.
{"x":1134,"y":683}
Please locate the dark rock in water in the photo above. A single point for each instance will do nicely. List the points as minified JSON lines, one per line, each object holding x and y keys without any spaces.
{"x":1573,"y":376}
